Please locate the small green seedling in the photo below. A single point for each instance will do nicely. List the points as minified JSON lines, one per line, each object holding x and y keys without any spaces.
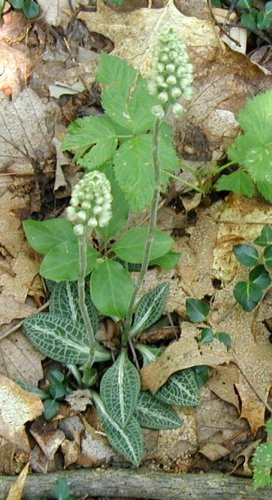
{"x":197,"y":312}
{"x":250,"y":293}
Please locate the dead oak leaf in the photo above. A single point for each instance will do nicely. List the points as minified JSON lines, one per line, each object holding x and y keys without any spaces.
{"x":17,"y":407}
{"x":184,"y":353}
{"x":135,"y":33}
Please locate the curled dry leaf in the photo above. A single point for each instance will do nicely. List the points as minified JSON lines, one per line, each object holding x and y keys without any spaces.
{"x":17,"y":407}
{"x":182,"y":354}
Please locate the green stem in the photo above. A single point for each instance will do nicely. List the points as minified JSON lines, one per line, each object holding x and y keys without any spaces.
{"x":82,"y":246}
{"x":151,"y":227}
{"x":182,"y":181}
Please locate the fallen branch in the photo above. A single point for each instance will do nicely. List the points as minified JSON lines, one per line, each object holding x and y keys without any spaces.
{"x":141,"y":484}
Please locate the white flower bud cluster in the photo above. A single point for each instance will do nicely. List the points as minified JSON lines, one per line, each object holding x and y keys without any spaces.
{"x":90,"y":204}
{"x":172,"y":74}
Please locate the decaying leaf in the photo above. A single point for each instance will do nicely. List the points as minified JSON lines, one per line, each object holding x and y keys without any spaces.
{"x":17,"y":488}
{"x":20,"y":360}
{"x":17,"y":119}
{"x":48,"y":438}
{"x":184,"y":353}
{"x":17,"y":407}
{"x":56,"y":12}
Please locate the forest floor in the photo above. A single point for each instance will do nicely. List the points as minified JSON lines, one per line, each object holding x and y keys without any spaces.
{"x":48,"y":80}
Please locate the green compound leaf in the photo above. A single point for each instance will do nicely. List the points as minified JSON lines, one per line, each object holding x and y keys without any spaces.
{"x":64,"y":302}
{"x":44,"y":235}
{"x":260,"y":276}
{"x":59,"y":338}
{"x":267,"y":256}
{"x":134,"y":171}
{"x":246,"y":255}
{"x":265,"y":238}
{"x":125,"y":97}
{"x":130,"y":246}
{"x":253,"y":149}
{"x":181,"y":389}
{"x":167,"y":261}
{"x":62,"y":261}
{"x":111,"y":289}
{"x":197,"y":310}
{"x":93,"y":139}
{"x":127,"y":441}
{"x":149,"y":308}
{"x":152,"y":413}
{"x":119,"y":389}
{"x":239,"y":182}
{"x":119,"y":206}
{"x":262,"y":464}
{"x":248,"y":295}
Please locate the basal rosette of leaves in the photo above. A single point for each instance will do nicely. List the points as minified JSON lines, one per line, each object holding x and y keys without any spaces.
{"x":252,"y":151}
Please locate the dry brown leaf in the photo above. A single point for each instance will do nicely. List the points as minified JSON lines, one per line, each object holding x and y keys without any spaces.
{"x":17,"y":488}
{"x":214,"y":451}
{"x":79,"y":400}
{"x":218,"y":422}
{"x":17,"y":407}
{"x":56,"y":12}
{"x":70,"y":450}
{"x":18,"y":119}
{"x":222,"y":383}
{"x":182,"y":354}
{"x":20,"y":360}
{"x":48,"y":438}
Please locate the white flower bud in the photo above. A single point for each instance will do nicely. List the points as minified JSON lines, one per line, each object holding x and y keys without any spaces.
{"x":170,"y":68}
{"x":79,"y":229}
{"x":171,"y":80}
{"x":163,"y":97}
{"x":157,"y":111}
{"x":176,"y":93}
{"x":177,"y":109}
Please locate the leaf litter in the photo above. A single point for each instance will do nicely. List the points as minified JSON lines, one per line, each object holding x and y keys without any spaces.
{"x":241,"y":378}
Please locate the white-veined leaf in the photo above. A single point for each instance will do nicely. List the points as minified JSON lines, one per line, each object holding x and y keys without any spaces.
{"x":150,"y":308}
{"x":154,"y":414}
{"x":59,"y":338}
{"x":128,"y":441}
{"x":64,"y":302}
{"x":119,"y":389}
{"x":181,"y":389}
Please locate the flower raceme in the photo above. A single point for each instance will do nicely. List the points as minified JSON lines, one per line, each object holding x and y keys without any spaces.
{"x":172,"y":74}
{"x":90,"y":204}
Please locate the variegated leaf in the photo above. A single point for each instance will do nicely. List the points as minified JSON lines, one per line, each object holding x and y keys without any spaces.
{"x":154,"y":414}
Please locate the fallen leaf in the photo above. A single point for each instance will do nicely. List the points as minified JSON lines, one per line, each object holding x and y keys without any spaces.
{"x":79,"y":400}
{"x":223,"y":382}
{"x":184,"y":353}
{"x":17,"y":407}
{"x":214,"y":451}
{"x":19,"y":116}
{"x":48,"y":438}
{"x":20,"y":360}
{"x":17,"y":488}
{"x":57,"y":12}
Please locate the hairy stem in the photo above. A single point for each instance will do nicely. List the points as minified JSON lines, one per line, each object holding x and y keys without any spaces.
{"x":82,"y":245}
{"x":151,"y":227}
